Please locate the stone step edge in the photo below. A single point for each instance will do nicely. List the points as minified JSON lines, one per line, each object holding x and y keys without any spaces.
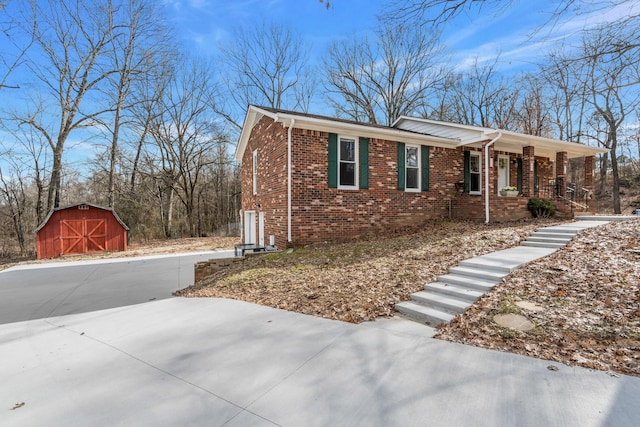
{"x":477,"y":272}
{"x":468,"y":282}
{"x":424,"y":314}
{"x":441,"y":302}
{"x":459,"y":292}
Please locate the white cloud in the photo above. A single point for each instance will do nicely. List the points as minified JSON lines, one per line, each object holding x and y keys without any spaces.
{"x":523,"y":46}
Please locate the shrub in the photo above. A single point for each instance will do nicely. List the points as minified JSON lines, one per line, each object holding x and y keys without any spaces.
{"x":541,"y":208}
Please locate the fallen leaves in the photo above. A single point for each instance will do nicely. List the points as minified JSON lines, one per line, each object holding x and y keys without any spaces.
{"x":590,"y":295}
{"x":360,"y":279}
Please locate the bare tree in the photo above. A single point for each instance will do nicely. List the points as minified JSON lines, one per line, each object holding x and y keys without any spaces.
{"x":567,"y":93}
{"x":71,"y":62}
{"x":139,"y":43}
{"x":265,"y":65}
{"x":611,"y":81}
{"x":14,"y":199}
{"x":478,"y":96}
{"x":32,"y":157}
{"x":380,"y":79}
{"x":146,"y":107}
{"x":185,"y":134}
{"x":532,"y":111}
{"x":440,"y":12}
{"x":10,"y":60}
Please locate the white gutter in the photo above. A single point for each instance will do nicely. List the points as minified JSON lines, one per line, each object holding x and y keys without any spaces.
{"x":486,"y":177}
{"x":289,"y":179}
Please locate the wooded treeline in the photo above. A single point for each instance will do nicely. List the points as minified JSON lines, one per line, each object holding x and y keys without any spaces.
{"x":108,"y":78}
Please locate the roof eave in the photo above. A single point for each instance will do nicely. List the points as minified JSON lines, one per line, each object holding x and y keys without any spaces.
{"x":325,"y":125}
{"x":335,"y":126}
{"x":548,"y":145}
{"x":247,"y":126}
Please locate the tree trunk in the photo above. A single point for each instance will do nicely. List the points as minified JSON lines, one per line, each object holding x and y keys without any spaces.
{"x":615,"y":174}
{"x":166,"y":211}
{"x":136,"y":161}
{"x":53,"y":196}
{"x":604,"y":165}
{"x":114,"y":155}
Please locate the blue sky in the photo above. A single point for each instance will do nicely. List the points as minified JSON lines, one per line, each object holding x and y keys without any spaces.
{"x":204,"y":25}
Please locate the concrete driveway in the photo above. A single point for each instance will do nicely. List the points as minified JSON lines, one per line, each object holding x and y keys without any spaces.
{"x":213,"y":362}
{"x":36,"y":291}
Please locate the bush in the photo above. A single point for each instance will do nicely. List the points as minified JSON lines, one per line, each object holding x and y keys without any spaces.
{"x":541,"y":208}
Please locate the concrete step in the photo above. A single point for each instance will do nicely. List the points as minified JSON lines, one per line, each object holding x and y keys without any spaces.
{"x":559,"y":230}
{"x":553,"y":235}
{"x":458,"y":292}
{"x":472,"y":263}
{"x":480,"y":273}
{"x":604,"y":218}
{"x":543,"y":245}
{"x":424,"y":314}
{"x":535,"y":238}
{"x":468,"y":282}
{"x":441,"y":302}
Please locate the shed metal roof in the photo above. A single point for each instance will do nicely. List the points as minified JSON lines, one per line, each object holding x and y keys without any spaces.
{"x":44,"y":222}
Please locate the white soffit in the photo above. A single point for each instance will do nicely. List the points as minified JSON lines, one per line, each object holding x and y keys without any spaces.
{"x":509,"y":141}
{"x":445,"y":130}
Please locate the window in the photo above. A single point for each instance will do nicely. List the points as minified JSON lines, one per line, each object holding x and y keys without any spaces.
{"x":347,"y":163}
{"x":475,"y":181}
{"x":255,"y":172}
{"x":412,"y":169}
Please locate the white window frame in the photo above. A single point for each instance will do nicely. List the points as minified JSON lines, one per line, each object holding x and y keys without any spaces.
{"x":479,"y":156}
{"x":418,"y":167}
{"x":356,"y":178}
{"x":255,"y":172}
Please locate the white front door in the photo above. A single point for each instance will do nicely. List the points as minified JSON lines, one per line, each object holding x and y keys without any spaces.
{"x":250,"y":227}
{"x":503,"y":172}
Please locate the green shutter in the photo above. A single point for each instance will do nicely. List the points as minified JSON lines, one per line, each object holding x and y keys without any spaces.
{"x":364,"y":163}
{"x":520,"y":174}
{"x":467,"y":171}
{"x":333,"y":161}
{"x":425,"y":168}
{"x":401,"y":166}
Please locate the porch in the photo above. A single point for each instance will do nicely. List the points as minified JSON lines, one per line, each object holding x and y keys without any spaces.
{"x":542,"y":176}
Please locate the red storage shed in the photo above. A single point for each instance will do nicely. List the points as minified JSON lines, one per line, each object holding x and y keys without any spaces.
{"x":79,"y":229}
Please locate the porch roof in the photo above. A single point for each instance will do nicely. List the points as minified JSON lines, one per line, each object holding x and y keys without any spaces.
{"x":509,"y":141}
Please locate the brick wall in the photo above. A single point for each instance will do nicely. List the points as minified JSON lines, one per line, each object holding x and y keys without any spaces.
{"x":471,"y":206}
{"x":322,"y":213}
{"x":270,"y":139}
{"x":204,"y":269}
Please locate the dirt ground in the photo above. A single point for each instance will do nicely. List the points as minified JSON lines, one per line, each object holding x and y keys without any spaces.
{"x":584,"y":301}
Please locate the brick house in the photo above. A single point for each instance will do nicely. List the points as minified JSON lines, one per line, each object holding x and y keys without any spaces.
{"x":308,"y":178}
